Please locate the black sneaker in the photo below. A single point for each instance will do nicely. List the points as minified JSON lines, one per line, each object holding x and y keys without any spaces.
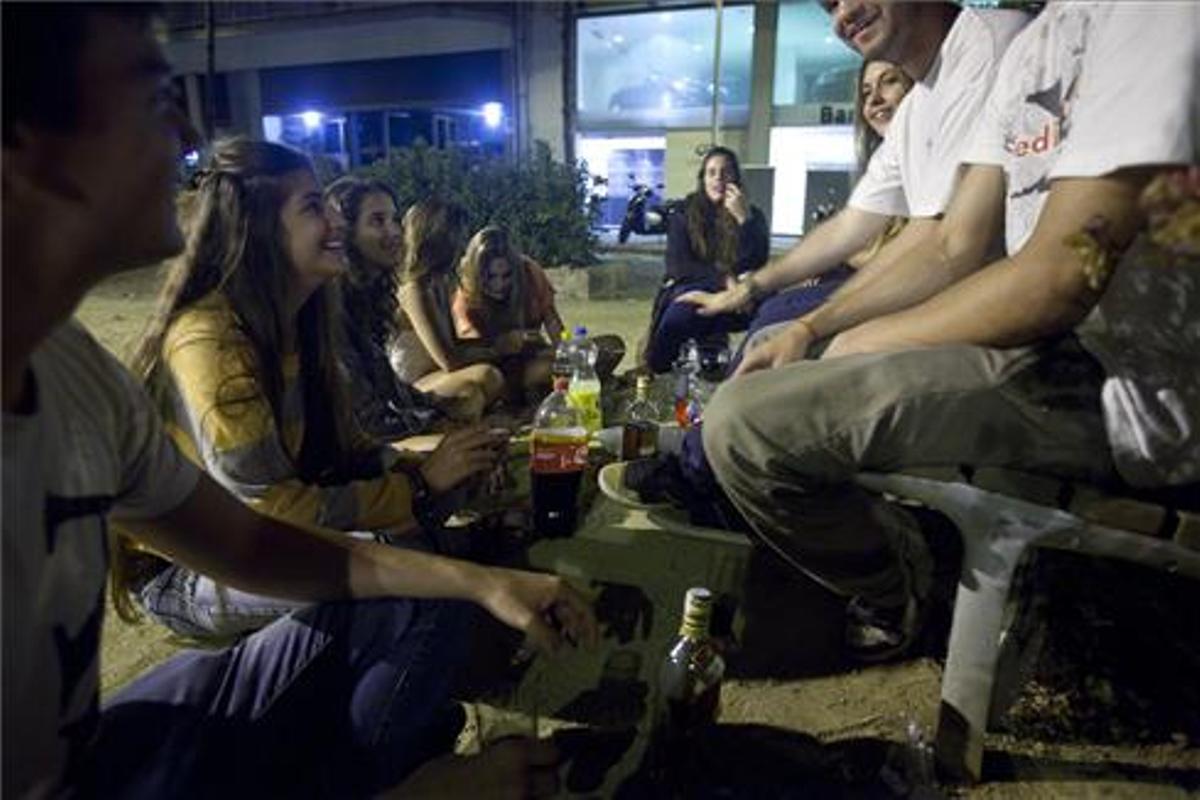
{"x":661,"y":480}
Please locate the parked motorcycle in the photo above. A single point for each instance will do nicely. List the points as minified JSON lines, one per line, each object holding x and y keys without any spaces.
{"x":642,"y":216}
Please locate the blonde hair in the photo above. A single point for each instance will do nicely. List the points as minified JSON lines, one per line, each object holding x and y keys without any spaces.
{"x":433,"y":232}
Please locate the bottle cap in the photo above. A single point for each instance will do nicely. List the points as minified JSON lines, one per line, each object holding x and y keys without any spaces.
{"x":697,"y":610}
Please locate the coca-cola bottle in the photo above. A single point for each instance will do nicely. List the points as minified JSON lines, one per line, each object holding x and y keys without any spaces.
{"x":557,"y":459}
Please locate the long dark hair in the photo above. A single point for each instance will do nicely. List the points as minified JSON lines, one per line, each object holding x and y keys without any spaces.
{"x":713,"y":236}
{"x":369,"y":290}
{"x":235,"y":246}
{"x":486,"y":246}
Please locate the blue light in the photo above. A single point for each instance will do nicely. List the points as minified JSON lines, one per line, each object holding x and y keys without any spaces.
{"x":192,"y":158}
{"x":312,"y":119}
{"x":493,"y":114}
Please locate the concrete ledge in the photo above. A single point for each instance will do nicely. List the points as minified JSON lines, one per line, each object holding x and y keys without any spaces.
{"x":620,"y":276}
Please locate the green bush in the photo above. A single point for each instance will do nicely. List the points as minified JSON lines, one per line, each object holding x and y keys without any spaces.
{"x":541,"y":202}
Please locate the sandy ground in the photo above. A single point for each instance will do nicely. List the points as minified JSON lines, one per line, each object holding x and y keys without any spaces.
{"x":785,"y":677}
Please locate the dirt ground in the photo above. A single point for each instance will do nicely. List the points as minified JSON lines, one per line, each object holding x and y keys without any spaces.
{"x":1111,"y":707}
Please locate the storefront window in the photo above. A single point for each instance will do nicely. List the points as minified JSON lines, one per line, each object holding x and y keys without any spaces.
{"x":655,"y":69}
{"x":616,"y":164}
{"x":812,"y":66}
{"x":813,"y":175}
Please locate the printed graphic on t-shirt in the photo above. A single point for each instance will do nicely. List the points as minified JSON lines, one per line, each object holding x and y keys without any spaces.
{"x":1048,"y":75}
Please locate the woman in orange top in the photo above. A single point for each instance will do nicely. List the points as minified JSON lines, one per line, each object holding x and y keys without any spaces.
{"x":505,"y":297}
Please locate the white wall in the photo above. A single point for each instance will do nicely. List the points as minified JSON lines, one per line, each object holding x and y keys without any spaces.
{"x":794,"y":151}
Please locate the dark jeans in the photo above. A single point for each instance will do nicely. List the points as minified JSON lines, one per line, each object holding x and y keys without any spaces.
{"x":675,"y":323}
{"x":335,"y":700}
{"x":793,"y":304}
{"x":782,"y":307}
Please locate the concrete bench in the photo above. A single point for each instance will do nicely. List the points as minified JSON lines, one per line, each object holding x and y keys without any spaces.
{"x":1001,"y":514}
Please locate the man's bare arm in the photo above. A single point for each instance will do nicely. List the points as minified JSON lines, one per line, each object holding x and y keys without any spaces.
{"x":932,"y":255}
{"x":927,"y":256}
{"x":830,"y":244}
{"x":1042,"y":290}
{"x":215,"y":534}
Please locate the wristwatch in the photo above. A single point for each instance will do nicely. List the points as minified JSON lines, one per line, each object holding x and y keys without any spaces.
{"x":754,"y":290}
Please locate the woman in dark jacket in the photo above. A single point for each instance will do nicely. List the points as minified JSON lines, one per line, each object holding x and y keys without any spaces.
{"x":716,"y":237}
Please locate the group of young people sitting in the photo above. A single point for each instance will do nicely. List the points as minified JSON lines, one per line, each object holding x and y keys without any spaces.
{"x":1000,"y":300}
{"x":244,"y":462}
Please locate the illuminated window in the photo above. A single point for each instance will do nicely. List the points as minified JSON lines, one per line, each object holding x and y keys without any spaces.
{"x":655,"y":69}
{"x":812,"y":66}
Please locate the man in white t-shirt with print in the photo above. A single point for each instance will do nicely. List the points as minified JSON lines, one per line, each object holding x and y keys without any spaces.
{"x":1091,"y":101}
{"x":952,"y":53}
{"x":323,"y":702}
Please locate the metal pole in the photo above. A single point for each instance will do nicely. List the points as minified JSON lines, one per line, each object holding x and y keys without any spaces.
{"x":716,"y":81}
{"x":210,"y":82}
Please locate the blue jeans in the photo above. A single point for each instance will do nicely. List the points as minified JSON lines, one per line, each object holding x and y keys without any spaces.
{"x":794,"y":303}
{"x":779,"y":309}
{"x":678,"y":322}
{"x":336,"y":700}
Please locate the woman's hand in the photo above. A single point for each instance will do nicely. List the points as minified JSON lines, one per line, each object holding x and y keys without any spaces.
{"x":710,"y":304}
{"x":462,"y":455}
{"x":510,"y":342}
{"x":735,"y":203}
{"x":543,"y":607}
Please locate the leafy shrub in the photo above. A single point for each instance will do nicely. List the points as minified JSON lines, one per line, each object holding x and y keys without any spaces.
{"x":541,"y":202}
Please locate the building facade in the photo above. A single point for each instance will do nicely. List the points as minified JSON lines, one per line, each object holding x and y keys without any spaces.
{"x":628,"y":87}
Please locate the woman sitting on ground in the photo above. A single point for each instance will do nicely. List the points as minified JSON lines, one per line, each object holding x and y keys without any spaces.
{"x":503,"y":293}
{"x":386,"y":407}
{"x":242,"y":355}
{"x":717,"y":237}
{"x":427,"y":352}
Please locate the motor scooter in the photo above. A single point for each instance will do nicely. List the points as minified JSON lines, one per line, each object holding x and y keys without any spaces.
{"x":643,"y":217}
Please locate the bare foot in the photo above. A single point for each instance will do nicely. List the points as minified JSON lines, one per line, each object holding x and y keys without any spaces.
{"x":514,"y":768}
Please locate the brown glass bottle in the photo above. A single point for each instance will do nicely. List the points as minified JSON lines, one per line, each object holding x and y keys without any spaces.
{"x":689,"y":689}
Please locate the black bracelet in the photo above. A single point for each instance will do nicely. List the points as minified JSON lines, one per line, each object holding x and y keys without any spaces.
{"x":424,"y":505}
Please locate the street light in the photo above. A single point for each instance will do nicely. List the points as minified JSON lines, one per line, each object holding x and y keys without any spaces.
{"x":493,"y":114}
{"x":311,"y":120}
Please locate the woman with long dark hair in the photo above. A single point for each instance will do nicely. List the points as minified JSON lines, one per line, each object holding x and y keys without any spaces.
{"x":502,"y":292}
{"x":427,"y":352}
{"x":386,"y":407}
{"x":242,"y":355}
{"x":718,"y":237}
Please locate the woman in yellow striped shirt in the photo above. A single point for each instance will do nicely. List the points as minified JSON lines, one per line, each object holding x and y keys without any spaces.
{"x":243,"y":356}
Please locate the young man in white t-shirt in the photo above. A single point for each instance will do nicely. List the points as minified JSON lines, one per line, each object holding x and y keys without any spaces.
{"x":1091,"y":100}
{"x":338,"y":699}
{"x":952,"y":54}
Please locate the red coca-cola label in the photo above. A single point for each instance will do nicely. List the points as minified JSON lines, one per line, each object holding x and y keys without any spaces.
{"x":554,"y":453}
